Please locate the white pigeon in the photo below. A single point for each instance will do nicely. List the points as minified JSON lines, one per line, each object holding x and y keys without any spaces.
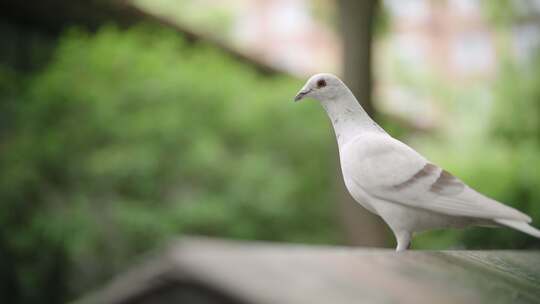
{"x":392,"y":180}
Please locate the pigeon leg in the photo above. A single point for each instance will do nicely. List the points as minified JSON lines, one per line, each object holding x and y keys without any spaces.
{"x":403,"y":241}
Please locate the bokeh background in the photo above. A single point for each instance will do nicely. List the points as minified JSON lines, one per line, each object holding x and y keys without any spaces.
{"x":126,"y":123}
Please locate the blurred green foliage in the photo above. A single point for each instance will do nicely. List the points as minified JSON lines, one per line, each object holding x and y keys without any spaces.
{"x":129,"y":137}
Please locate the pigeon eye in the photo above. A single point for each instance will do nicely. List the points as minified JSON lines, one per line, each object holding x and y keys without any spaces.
{"x":321,"y":83}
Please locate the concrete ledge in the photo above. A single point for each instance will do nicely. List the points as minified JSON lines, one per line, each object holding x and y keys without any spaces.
{"x":199,"y":270}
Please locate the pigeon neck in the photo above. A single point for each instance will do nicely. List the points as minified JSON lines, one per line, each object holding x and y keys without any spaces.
{"x":348,"y":118}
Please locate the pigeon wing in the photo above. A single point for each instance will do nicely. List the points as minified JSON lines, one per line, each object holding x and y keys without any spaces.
{"x":387,"y":169}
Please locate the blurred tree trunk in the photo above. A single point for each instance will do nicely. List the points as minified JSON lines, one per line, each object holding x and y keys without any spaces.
{"x":357,"y":27}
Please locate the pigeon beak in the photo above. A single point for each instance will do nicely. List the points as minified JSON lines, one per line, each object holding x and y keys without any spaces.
{"x":301,"y":95}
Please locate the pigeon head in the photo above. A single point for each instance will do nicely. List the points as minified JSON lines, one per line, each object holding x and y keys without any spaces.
{"x":322,"y":87}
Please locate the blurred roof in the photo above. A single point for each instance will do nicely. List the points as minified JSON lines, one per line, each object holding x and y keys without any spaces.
{"x":218,"y":271}
{"x":52,"y":17}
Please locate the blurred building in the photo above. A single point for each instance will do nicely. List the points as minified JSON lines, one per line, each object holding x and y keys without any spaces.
{"x":451,"y":36}
{"x":283,"y":33}
{"x":299,"y":36}
{"x":286,"y":34}
{"x":449,"y":42}
{"x":456,"y":38}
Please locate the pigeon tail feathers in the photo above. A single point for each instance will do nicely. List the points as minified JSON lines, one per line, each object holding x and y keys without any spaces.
{"x":521,"y":226}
